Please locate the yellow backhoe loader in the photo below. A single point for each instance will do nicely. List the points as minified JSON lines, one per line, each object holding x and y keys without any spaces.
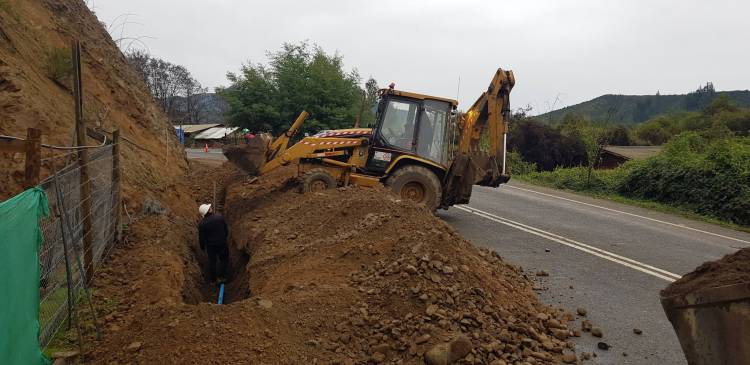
{"x":418,"y":147}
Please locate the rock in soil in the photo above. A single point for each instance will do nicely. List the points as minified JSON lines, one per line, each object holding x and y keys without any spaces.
{"x":569,"y":358}
{"x":448,"y":352}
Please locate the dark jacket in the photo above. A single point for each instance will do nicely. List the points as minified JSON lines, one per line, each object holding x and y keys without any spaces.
{"x":213,"y":231}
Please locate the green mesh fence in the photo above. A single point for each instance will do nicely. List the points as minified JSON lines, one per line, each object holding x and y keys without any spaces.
{"x":20,"y":237}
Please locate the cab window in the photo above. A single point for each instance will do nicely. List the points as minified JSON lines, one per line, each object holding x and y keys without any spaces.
{"x":431,"y":136}
{"x":399,"y":124}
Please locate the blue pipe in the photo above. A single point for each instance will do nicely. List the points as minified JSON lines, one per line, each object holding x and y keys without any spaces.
{"x":221,"y":293}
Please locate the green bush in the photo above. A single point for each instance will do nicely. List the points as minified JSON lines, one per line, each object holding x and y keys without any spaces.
{"x":701,"y":174}
{"x":59,"y":66}
{"x":577,"y":178}
{"x":517,"y":166}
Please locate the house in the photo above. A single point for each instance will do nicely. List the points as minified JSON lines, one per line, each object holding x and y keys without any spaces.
{"x":191,"y":130}
{"x":614,"y":156}
{"x":217,"y":136}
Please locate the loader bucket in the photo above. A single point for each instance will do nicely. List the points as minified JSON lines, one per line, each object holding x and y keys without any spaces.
{"x":250,"y":157}
{"x":712,"y":324}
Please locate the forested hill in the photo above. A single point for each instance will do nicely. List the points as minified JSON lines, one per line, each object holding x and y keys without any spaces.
{"x":634,"y":109}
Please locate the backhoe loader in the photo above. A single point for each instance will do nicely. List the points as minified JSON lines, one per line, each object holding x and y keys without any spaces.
{"x":419,"y":147}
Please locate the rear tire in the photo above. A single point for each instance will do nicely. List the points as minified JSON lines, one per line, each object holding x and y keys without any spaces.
{"x":317,"y":180}
{"x":418,"y":184}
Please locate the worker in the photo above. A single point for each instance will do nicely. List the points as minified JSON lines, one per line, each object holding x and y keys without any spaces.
{"x":212,"y":234}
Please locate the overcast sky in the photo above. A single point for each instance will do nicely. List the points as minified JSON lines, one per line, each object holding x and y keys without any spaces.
{"x":569,"y":51}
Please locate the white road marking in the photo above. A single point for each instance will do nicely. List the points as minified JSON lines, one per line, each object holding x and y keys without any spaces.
{"x":633,"y":215}
{"x":633,"y":264}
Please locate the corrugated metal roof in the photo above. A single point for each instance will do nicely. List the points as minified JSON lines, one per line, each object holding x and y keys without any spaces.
{"x":634,"y":152}
{"x":192,"y":128}
{"x":215,"y":133}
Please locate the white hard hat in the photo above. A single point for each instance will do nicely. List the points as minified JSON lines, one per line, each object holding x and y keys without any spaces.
{"x":203,"y":209}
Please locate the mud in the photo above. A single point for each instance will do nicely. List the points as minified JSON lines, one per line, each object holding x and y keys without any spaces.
{"x":732,"y":269}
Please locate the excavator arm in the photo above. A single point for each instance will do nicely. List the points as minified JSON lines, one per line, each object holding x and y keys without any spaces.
{"x":481,"y":158}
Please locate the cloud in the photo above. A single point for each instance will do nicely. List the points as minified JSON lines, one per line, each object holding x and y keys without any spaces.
{"x":576,"y":50}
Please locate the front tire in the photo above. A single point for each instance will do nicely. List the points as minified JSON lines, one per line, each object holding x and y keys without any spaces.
{"x":317,"y":180}
{"x":418,"y":184}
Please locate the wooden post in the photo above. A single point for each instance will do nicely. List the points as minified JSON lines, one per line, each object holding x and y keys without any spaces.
{"x":116,"y":184}
{"x":83,"y":161}
{"x":33,"y":157}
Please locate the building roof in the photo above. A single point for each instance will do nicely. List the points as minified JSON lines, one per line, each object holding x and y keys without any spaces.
{"x":215,"y":133}
{"x":192,"y":128}
{"x":633,"y":152}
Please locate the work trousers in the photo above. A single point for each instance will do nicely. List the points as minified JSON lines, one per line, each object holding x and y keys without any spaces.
{"x":221,"y":254}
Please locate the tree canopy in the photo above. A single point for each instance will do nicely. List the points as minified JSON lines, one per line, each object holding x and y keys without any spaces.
{"x":268,"y":97}
{"x":175,"y":89}
{"x":720,"y":116}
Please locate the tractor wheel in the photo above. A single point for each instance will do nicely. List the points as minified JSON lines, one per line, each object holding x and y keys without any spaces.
{"x":418,"y":184}
{"x":317,"y":180}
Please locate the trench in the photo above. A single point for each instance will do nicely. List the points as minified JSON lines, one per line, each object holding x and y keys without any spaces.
{"x":196,"y":288}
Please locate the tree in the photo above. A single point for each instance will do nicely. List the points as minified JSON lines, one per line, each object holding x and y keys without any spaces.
{"x":268,"y":97}
{"x":617,"y":136}
{"x":173,"y":87}
{"x":544,"y":145}
{"x":369,"y":102}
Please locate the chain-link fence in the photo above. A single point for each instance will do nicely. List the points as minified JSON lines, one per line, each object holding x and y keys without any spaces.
{"x":63,"y":252}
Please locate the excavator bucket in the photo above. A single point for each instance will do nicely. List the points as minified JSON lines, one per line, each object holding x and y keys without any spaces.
{"x":250,"y":157}
{"x":467,"y":170}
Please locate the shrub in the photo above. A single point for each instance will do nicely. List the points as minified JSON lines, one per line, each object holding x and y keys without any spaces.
{"x":59,"y":66}
{"x":517,"y":166}
{"x":707,"y":176}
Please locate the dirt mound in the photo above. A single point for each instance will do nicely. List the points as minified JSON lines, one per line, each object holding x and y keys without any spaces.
{"x":36,"y":91}
{"x":732,"y":269}
{"x":345,"y":276}
{"x":404,"y":279}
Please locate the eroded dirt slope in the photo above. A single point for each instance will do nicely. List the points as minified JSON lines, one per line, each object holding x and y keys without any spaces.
{"x":31,"y":33}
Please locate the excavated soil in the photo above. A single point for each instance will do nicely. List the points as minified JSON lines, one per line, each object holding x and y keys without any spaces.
{"x":346,"y":276}
{"x":732,"y":269}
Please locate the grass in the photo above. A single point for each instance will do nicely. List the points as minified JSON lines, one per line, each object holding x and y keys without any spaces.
{"x":648,"y":204}
{"x":67,"y":339}
{"x":59,"y":65}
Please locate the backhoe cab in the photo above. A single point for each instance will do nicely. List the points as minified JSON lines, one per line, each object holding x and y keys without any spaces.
{"x":418,"y":147}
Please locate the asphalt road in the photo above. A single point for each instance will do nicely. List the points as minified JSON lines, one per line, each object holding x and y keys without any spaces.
{"x":609,"y":258}
{"x":212,"y":154}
